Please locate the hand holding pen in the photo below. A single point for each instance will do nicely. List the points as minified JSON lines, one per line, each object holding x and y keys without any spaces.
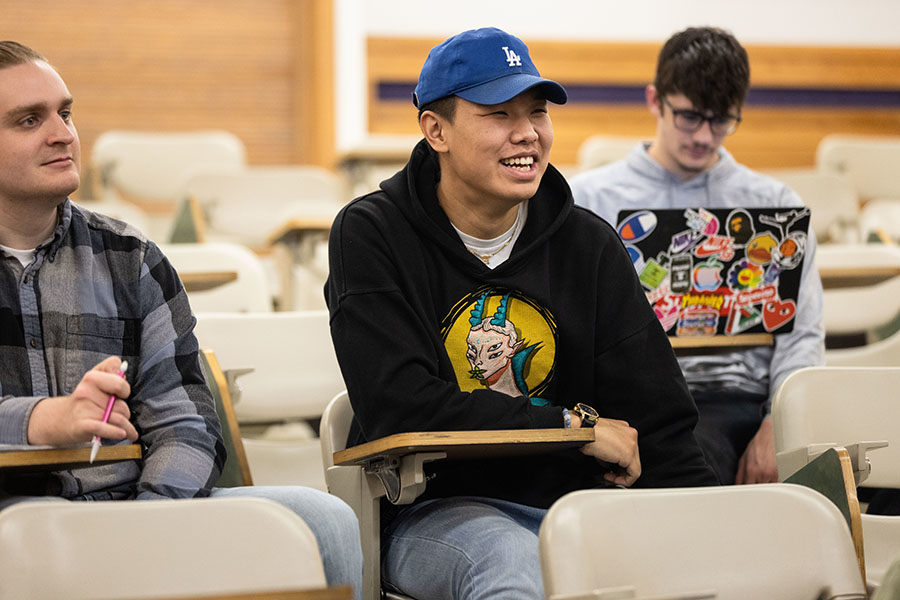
{"x":76,"y":418}
{"x":95,"y":444}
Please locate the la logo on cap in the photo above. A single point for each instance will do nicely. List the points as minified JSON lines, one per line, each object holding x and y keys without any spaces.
{"x":512,"y":58}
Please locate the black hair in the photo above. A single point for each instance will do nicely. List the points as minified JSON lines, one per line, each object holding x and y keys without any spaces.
{"x":706,"y":64}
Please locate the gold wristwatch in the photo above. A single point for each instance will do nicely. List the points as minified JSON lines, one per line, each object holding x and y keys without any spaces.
{"x":587,"y":414}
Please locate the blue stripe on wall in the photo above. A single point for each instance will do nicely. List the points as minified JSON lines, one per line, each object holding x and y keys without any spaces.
{"x":763,"y":96}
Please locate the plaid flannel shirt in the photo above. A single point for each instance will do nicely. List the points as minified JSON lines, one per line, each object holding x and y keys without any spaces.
{"x":100,"y":288}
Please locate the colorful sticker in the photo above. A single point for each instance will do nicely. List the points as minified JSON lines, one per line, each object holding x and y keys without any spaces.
{"x":716,"y":244}
{"x":637,"y":259}
{"x":708,"y":275}
{"x":684,"y":241}
{"x":637,"y":226}
{"x":741,"y":318}
{"x":697,"y":323}
{"x":739,"y":226}
{"x":776,"y":313}
{"x":702,"y":221}
{"x":653,"y":274}
{"x":681,"y":274}
{"x":744,"y":275}
{"x":759,"y":250}
{"x":789,"y":253}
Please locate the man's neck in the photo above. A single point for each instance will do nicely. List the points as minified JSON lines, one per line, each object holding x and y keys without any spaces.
{"x":24,"y":226}
{"x":655,"y":152}
{"x":480,"y":220}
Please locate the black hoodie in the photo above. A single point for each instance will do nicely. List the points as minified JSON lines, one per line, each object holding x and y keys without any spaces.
{"x":404,"y":294}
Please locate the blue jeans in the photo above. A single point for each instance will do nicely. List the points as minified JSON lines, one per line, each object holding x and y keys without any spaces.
{"x":332,"y":522}
{"x":728,"y":421}
{"x":464,"y":548}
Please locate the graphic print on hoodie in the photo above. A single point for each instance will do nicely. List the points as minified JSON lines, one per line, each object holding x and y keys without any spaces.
{"x":501,"y":340}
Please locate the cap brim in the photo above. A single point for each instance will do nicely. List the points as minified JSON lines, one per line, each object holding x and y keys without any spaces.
{"x":506,"y":88}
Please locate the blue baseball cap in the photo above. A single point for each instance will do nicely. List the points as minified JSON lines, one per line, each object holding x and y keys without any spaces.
{"x":484,"y":66}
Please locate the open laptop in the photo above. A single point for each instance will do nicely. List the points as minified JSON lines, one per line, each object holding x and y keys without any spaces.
{"x":718,"y":271}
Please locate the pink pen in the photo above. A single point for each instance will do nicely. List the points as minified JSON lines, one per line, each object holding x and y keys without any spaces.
{"x":95,"y":444}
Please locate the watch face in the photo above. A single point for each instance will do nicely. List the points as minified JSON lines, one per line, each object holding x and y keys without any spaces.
{"x":587,"y":411}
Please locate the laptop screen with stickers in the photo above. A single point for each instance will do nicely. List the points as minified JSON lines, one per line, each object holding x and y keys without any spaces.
{"x":718,"y":271}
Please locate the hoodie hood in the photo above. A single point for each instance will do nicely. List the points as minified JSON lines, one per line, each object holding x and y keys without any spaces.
{"x":640,"y":161}
{"x":413,"y":190}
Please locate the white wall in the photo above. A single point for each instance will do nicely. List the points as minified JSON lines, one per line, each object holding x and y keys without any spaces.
{"x":777,"y":22}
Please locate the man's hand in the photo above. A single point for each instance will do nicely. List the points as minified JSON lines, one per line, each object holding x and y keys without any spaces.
{"x":63,"y":420}
{"x":616,"y":443}
{"x":757,"y":465}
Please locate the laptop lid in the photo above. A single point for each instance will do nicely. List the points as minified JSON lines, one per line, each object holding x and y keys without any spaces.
{"x":718,"y":271}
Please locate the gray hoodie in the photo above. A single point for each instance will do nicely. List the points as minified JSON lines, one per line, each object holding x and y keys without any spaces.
{"x":641,"y":182}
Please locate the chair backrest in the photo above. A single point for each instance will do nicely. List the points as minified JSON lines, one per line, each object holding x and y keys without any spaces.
{"x":197,"y":547}
{"x":842,"y":406}
{"x":295,"y":367}
{"x":832,"y":199}
{"x":883,"y":353}
{"x":870,"y":162}
{"x":775,"y":541}
{"x":334,"y":427}
{"x":151,"y":165}
{"x":881,"y":536}
{"x":249,"y":292}
{"x":861,"y":309}
{"x":598,"y":150}
{"x":248,"y":205}
{"x":236,"y":471}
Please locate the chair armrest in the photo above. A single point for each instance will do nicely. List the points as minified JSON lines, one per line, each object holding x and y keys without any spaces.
{"x":231,"y":377}
{"x":791,"y":461}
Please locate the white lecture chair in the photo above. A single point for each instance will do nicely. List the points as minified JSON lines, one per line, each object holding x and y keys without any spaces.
{"x":832,"y":199}
{"x":294,"y":373}
{"x":773,"y":541}
{"x":820,"y":407}
{"x":147,"y":167}
{"x":882,"y":353}
{"x":247,"y":205}
{"x":863,"y":308}
{"x":870,"y":162}
{"x":599,"y":150}
{"x":879,"y":218}
{"x":250,"y":292}
{"x":359,"y":490}
{"x":120,"y":210}
{"x":111,"y":550}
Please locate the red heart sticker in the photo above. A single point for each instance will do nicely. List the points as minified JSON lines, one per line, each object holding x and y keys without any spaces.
{"x":776,"y":313}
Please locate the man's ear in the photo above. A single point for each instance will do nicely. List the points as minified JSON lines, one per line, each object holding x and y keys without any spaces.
{"x":653,"y":100}
{"x":433,"y":127}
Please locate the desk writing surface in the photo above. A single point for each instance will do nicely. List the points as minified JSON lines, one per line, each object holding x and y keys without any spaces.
{"x":841,"y":276}
{"x":298,"y":226}
{"x":467,"y":444}
{"x":206,"y":280}
{"x":721,"y":341}
{"x":339,"y":592}
{"x":59,"y":459}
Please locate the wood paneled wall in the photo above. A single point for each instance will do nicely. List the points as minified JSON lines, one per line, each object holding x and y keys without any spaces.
{"x":260,"y":69}
{"x":772,"y":134}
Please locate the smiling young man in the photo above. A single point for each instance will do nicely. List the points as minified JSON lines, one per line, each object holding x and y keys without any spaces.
{"x":80,"y":293}
{"x":469,"y":293}
{"x":701,"y":82}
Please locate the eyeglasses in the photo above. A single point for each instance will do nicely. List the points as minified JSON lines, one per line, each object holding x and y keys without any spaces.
{"x":691,"y":121}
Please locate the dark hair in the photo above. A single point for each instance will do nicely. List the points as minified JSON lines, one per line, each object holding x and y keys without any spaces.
{"x":444,"y":107}
{"x":14,"y":53}
{"x":706,"y":64}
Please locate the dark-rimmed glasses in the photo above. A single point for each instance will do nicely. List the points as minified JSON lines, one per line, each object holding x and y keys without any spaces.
{"x":691,"y":121}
